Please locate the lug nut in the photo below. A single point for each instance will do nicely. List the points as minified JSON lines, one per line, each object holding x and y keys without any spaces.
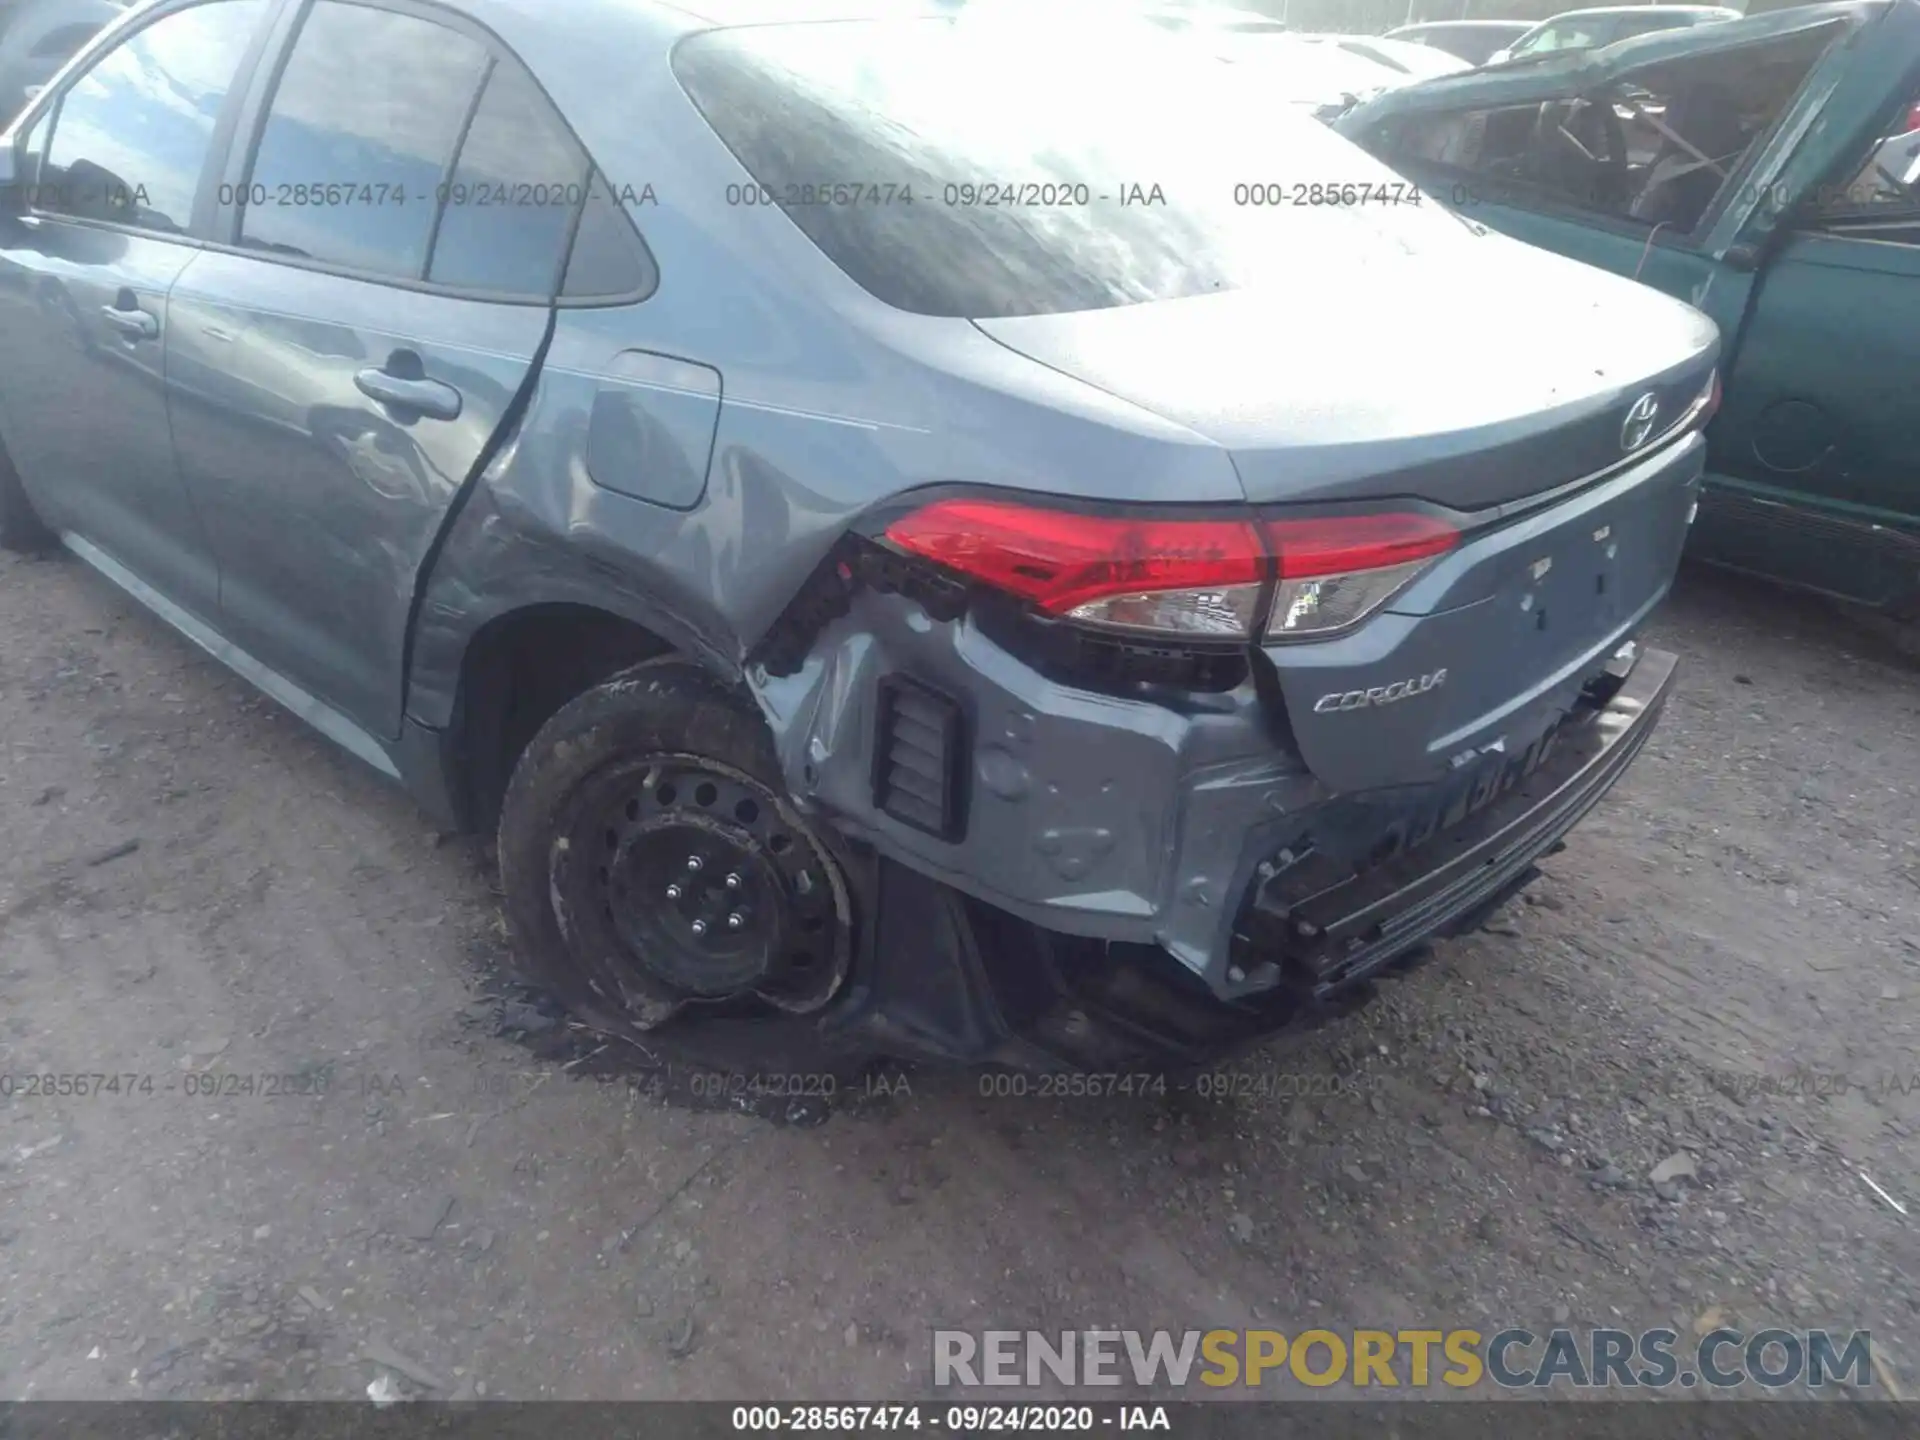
{"x":673,"y":892}
{"x":699,"y":927}
{"x":693,"y":862}
{"x":733,"y":882}
{"x":734,"y":922}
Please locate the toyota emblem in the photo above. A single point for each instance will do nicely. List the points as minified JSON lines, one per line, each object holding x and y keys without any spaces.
{"x":1637,"y":428}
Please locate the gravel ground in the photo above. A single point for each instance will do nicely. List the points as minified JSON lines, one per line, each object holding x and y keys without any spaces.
{"x":1722,"y":967}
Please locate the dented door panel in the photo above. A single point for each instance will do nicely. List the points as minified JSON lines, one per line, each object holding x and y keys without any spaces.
{"x":323,"y":501}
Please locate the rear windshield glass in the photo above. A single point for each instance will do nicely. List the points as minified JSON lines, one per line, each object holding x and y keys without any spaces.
{"x":967,"y":166}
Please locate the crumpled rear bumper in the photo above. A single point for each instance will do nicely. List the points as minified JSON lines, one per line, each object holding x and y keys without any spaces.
{"x":1130,"y":816}
{"x":1115,"y":817}
{"x":1460,"y":852}
{"x":954,"y":979}
{"x":1156,"y":876}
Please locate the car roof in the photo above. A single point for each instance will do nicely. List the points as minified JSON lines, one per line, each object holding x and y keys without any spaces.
{"x":1460,"y":25}
{"x":705,"y":14}
{"x":1197,"y":17}
{"x":1612,"y":10}
{"x":759,"y":12}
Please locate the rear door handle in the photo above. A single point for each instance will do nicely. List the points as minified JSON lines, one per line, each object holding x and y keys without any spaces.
{"x":134,"y":323}
{"x":424,"y":397}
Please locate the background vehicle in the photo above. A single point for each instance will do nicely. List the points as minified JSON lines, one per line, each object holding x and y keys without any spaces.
{"x":1474,"y":41}
{"x":1422,"y":62}
{"x":38,"y":36}
{"x":888,"y":578}
{"x":1204,"y":19}
{"x":1588,"y":29}
{"x":1764,"y":170}
{"x":1323,"y":74}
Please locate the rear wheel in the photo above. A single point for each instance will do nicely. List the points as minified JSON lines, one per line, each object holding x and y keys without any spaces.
{"x":660,"y":883}
{"x":20,"y":527}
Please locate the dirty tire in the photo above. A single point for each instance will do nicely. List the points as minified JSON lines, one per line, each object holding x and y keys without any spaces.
{"x":21,"y":529}
{"x":662,"y":707}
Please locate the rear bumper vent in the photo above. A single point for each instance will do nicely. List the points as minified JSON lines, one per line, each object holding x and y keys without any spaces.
{"x":919,"y":751}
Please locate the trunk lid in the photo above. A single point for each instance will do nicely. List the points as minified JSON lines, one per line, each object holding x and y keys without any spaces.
{"x":1482,"y":387}
{"x":1473,"y":377}
{"x":1496,"y":640}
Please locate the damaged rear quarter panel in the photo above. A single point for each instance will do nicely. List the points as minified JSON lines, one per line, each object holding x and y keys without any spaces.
{"x":829,"y":403}
{"x":1090,"y":810}
{"x":1119,"y":818}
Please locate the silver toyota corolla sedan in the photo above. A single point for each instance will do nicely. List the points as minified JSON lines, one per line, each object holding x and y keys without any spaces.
{"x":937,"y":534}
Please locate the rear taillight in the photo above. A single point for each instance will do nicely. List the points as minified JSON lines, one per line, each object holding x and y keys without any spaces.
{"x":1197,"y":578}
{"x":1705,"y":405}
{"x":1336,"y":571}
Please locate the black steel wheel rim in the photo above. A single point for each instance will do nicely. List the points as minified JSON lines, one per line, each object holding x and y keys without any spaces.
{"x":705,"y":885}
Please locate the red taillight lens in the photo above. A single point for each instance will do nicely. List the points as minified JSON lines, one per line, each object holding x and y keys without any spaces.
{"x":1339,"y":544}
{"x":1063,"y":562}
{"x":1703,"y":408}
{"x":1338,"y":570}
{"x":1176,"y":576}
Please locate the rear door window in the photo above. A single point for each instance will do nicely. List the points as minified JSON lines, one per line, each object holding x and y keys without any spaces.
{"x":359,"y":139}
{"x":398,"y":147}
{"x":510,"y":207}
{"x":1631,"y":25}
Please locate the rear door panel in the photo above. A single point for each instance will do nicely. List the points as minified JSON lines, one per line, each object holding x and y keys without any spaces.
{"x":321,"y":502}
{"x":390,"y":233}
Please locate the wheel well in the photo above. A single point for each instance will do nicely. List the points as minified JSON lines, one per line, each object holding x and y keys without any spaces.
{"x":517,"y":672}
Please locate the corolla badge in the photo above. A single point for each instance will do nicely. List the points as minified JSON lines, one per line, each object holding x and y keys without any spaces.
{"x":1380,"y":694}
{"x":1637,"y":428}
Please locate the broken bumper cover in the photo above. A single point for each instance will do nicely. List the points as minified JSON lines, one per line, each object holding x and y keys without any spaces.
{"x":955,"y":979}
{"x":1094,"y":868}
{"x":1138,"y":818}
{"x":1322,"y":926}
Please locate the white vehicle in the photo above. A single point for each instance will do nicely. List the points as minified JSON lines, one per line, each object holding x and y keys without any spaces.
{"x":1322,"y":73}
{"x":1416,"y":62}
{"x":37,"y":37}
{"x":1893,"y":171}
{"x":1590,"y":29}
